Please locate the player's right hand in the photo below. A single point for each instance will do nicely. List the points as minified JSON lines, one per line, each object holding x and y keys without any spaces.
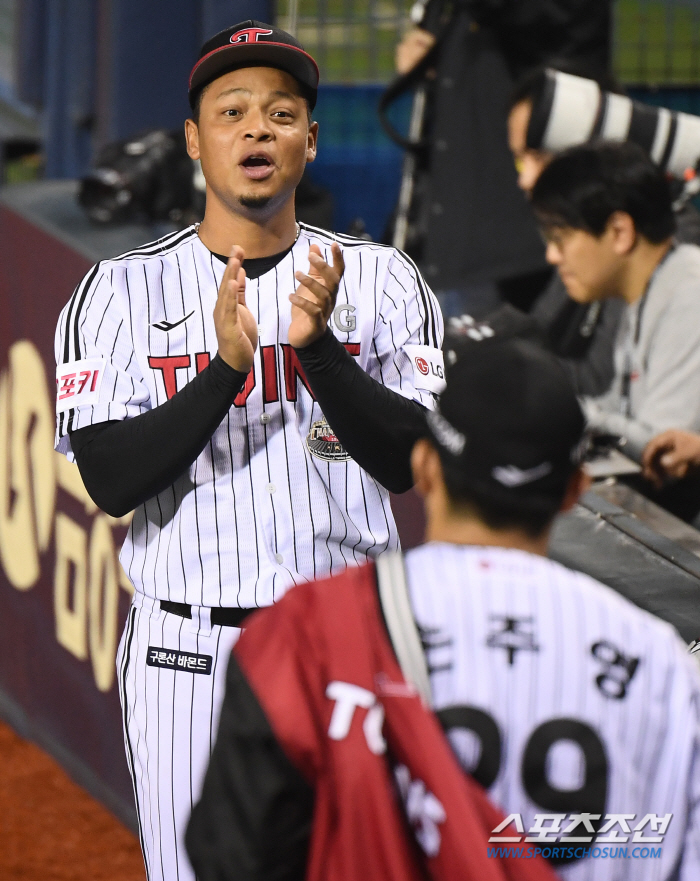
{"x":236,"y":328}
{"x":671,"y":456}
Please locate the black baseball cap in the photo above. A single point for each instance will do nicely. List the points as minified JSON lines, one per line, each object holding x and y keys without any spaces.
{"x":253,"y":44}
{"x":509,"y":425}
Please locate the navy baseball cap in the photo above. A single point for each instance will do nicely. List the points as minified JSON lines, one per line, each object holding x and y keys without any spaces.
{"x":509,"y":424}
{"x":254,"y":44}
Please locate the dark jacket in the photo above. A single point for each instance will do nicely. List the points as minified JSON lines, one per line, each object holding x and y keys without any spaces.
{"x":476,"y":225}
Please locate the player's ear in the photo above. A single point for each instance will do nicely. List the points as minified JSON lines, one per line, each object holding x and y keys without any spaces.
{"x":623,"y":231}
{"x":192,"y":138}
{"x":578,"y":484}
{"x":312,"y":142}
{"x":425,"y":465}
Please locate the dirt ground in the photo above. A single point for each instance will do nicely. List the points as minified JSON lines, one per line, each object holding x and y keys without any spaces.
{"x":51,"y":829}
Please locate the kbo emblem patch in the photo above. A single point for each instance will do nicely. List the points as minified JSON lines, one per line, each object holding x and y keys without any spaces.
{"x":323,"y":444}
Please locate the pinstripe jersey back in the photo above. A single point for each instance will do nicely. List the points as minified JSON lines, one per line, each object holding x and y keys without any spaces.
{"x":256,"y":512}
{"x":541,"y":676}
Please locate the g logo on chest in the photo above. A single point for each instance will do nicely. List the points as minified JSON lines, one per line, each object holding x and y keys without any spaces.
{"x":344,"y":317}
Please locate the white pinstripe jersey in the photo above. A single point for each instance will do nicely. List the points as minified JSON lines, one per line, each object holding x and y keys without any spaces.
{"x":557,"y":672}
{"x":256,"y":512}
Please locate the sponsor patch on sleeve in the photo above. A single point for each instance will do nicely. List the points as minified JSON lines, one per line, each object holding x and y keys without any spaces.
{"x":78,"y":383}
{"x":428,"y":368}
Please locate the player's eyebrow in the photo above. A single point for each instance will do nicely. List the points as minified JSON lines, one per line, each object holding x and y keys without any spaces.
{"x":277,"y":93}
{"x":232,"y":90}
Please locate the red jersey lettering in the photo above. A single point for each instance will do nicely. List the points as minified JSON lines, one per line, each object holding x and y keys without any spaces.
{"x":168,"y":366}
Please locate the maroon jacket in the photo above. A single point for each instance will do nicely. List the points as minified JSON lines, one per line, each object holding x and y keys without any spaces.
{"x":355,"y":741}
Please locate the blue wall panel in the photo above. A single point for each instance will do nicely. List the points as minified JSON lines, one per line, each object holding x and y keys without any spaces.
{"x":153,"y":49}
{"x":69,"y":86}
{"x":356,"y":160}
{"x":686,"y":100}
{"x":31,"y":55}
{"x":220,"y":14}
{"x":105,"y":70}
{"x":152,"y":54}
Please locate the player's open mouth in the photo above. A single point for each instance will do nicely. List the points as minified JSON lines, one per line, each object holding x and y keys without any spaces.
{"x":257,"y":166}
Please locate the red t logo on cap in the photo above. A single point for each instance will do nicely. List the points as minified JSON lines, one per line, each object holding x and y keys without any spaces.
{"x":249,"y":35}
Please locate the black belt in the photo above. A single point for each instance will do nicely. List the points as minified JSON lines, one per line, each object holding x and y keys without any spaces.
{"x":231,"y":617}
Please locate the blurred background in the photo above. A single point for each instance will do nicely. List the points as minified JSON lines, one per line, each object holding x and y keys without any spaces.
{"x":76,"y":75}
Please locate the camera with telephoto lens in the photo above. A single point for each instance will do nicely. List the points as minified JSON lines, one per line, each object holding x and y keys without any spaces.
{"x":148,"y":177}
{"x":571,"y":110}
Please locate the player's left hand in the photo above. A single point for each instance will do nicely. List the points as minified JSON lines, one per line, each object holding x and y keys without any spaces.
{"x":314,"y":300}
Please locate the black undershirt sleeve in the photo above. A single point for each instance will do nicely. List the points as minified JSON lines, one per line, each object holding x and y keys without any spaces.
{"x":253,"y":820}
{"x":377,"y":426}
{"x":125,"y":463}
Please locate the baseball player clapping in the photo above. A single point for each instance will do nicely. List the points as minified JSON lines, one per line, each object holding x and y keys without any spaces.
{"x":251,"y":387}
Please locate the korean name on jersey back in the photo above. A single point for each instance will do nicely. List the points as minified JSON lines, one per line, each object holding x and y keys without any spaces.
{"x":569,"y":704}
